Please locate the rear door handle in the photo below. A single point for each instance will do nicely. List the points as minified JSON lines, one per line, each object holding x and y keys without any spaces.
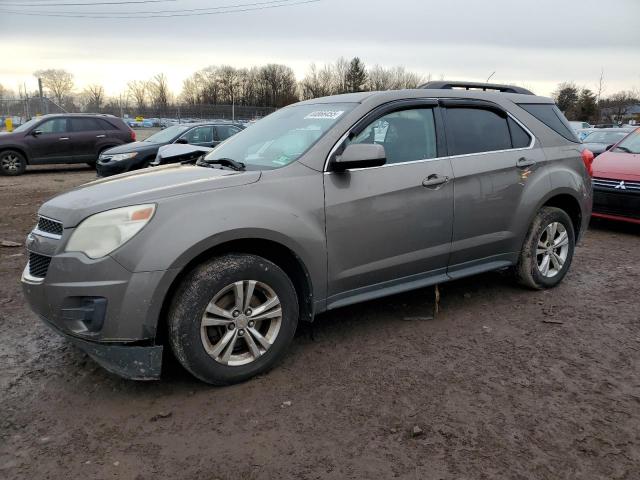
{"x":63,"y":138}
{"x":524,"y":162}
{"x":434,"y":180}
{"x":100,"y":136}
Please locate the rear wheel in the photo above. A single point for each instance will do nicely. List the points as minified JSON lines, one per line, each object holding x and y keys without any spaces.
{"x":12,"y":163}
{"x":232,"y":318}
{"x":548,"y":249}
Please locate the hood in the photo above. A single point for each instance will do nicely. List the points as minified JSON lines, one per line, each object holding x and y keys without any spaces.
{"x":8,"y":136}
{"x":143,"y":186}
{"x":618,"y":166}
{"x":134,"y":147}
{"x":175,"y":152}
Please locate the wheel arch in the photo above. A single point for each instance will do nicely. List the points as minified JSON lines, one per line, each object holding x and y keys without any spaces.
{"x":18,"y":149}
{"x":569,"y":204}
{"x":273,"y":251}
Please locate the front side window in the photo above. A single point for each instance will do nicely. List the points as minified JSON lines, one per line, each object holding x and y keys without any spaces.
{"x":282,"y":137}
{"x":406,"y":135}
{"x":475,"y":130}
{"x":199,"y":135}
{"x":55,"y":125}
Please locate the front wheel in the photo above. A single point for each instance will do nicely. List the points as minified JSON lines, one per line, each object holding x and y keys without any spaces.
{"x":232,"y":317}
{"x":12,"y":163}
{"x":548,"y":249}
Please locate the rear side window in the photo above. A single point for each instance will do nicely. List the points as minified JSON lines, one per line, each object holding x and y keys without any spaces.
{"x":552,"y":117}
{"x":475,"y":130}
{"x":519,"y":138}
{"x":225,"y":131}
{"x":85,"y":125}
{"x":105,"y":124}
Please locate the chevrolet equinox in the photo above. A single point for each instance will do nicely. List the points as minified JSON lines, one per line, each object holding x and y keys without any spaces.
{"x":322,"y":204}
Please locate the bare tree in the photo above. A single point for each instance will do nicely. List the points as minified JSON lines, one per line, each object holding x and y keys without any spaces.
{"x":58,"y":82}
{"x":228,"y":79}
{"x":138,"y":89}
{"x":158,"y":91}
{"x":600,"y":89}
{"x":317,"y":83}
{"x":94,"y":97}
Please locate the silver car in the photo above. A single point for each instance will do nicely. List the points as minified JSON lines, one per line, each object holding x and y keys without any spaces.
{"x":322,"y":204}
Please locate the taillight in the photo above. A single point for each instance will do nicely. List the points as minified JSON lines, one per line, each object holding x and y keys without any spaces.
{"x":133,"y":134}
{"x":587,"y":158}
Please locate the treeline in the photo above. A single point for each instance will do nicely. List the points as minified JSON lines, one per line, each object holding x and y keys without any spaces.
{"x":271,"y":85}
{"x":584,"y":104}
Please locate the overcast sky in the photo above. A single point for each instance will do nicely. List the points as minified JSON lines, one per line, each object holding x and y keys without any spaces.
{"x":536,"y":43}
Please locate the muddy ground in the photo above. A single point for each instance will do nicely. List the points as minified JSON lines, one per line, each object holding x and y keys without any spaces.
{"x":504,"y":383}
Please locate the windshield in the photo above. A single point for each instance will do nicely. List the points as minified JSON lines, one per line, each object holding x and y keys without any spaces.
{"x":605,"y":137}
{"x":631,"y":144}
{"x":168,"y":134}
{"x":282,"y":137}
{"x":26,"y":126}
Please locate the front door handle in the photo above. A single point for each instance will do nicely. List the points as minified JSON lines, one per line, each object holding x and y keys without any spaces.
{"x":524,"y":162}
{"x":63,"y":138}
{"x":100,"y":136}
{"x":434,"y":180}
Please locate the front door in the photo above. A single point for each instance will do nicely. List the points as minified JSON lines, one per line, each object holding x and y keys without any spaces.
{"x":389,"y":228}
{"x":50,"y":142}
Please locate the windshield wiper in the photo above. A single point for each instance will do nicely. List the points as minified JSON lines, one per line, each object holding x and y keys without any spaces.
{"x":225,"y":162}
{"x":624,"y":149}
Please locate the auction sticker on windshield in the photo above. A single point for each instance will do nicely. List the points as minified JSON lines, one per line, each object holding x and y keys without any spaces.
{"x":324,"y":115}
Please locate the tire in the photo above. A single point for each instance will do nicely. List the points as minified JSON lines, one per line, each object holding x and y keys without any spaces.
{"x":12,"y":163}
{"x":209,"y":294}
{"x":542,"y":264}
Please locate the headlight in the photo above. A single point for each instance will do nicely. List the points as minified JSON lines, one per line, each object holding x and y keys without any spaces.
{"x":123,"y":156}
{"x":100,"y":234}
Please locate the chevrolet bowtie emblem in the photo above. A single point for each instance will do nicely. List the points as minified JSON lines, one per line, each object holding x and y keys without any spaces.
{"x":621,"y":185}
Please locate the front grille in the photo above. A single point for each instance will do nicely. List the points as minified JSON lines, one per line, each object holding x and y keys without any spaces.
{"x":38,"y":265}
{"x":616,"y":185}
{"x":49,"y":226}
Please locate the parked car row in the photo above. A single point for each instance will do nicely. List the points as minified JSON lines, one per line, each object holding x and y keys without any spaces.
{"x":103,"y":141}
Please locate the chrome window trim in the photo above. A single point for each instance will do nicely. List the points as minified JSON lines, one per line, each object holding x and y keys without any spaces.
{"x":343,"y":138}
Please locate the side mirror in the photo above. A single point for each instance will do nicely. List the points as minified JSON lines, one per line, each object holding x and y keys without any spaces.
{"x":360,"y":155}
{"x":35,"y":133}
{"x":182,"y":141}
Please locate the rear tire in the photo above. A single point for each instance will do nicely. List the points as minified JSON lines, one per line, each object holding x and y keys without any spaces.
{"x":548,"y":249}
{"x":232,"y":318}
{"x":12,"y":163}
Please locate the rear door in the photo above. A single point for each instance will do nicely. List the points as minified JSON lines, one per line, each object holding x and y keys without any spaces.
{"x":492,"y":160}
{"x":87,"y":133}
{"x":50,"y":142}
{"x":389,"y":228}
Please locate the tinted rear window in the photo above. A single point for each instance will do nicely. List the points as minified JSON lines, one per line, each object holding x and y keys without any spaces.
{"x":552,"y":117}
{"x":106,"y":125}
{"x":474,"y":130}
{"x":85,"y":124}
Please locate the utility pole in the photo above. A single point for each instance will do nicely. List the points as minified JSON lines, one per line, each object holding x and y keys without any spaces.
{"x":43,"y":108}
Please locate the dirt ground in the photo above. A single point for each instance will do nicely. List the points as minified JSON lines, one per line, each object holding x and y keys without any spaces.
{"x":504,"y":383}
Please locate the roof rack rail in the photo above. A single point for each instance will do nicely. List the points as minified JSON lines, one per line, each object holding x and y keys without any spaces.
{"x":444,"y":85}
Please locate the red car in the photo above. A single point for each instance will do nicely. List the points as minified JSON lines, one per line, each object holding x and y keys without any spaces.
{"x":616,"y":181}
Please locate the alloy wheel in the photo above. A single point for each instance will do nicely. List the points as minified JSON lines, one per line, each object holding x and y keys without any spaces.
{"x":10,"y":162}
{"x":552,"y":249}
{"x":241,"y":322}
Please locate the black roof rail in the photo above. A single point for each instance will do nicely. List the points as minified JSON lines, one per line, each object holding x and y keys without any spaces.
{"x":445,"y":85}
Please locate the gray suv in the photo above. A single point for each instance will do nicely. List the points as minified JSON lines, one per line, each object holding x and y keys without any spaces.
{"x":322,"y":204}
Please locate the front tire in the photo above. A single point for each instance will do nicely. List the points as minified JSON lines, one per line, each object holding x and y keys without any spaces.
{"x":232,"y":318}
{"x":12,"y":163}
{"x":548,"y":249}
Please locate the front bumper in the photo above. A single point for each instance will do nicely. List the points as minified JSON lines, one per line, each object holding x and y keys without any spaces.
{"x":133,"y":362}
{"x":106,"y":168}
{"x":108,"y":311}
